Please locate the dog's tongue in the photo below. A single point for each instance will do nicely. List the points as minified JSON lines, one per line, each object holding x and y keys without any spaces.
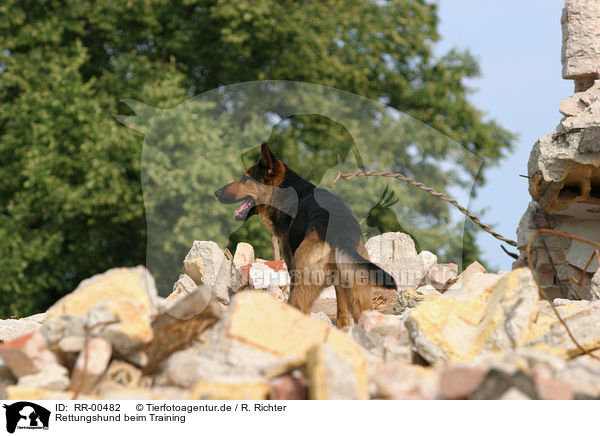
{"x":241,"y":211}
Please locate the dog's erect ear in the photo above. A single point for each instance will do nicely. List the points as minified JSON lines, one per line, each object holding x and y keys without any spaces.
{"x":267,"y":158}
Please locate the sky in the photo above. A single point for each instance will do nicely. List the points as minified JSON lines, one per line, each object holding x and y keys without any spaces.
{"x":517,"y":44}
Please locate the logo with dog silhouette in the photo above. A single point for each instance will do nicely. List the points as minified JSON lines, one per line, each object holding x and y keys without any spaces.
{"x":26,"y":415}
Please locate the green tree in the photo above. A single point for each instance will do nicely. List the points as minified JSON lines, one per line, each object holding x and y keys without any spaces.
{"x":71,"y":201}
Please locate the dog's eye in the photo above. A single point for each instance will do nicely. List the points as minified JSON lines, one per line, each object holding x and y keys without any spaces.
{"x":244,"y":178}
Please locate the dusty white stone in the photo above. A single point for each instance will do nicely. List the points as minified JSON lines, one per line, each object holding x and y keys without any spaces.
{"x":411,"y":298}
{"x":581,"y":39}
{"x":207,"y":264}
{"x":322,"y":316}
{"x":38,"y":317}
{"x":379,"y":326}
{"x":261,"y":276}
{"x":90,"y":365}
{"x":441,"y":276}
{"x":63,"y":326}
{"x":279,"y":293}
{"x":572,"y":105}
{"x":489,"y":313}
{"x":71,"y":344}
{"x":395,"y":351}
{"x":27,"y":354}
{"x":52,"y":377}
{"x":244,"y":254}
{"x":184,"y":284}
{"x":583,"y":375}
{"x":395,"y":252}
{"x":466,"y":275}
{"x":13,"y":328}
{"x":389,"y":247}
{"x":579,"y":253}
{"x":428,"y":258}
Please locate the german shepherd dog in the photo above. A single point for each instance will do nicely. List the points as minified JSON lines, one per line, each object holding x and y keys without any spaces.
{"x":320,"y":238}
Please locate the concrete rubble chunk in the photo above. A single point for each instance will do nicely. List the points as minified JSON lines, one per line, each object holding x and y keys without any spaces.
{"x":123,"y":374}
{"x":207,"y":265}
{"x":441,"y":276}
{"x":337,"y":368}
{"x":427,"y":258}
{"x":52,"y":377}
{"x":458,"y":382}
{"x":261,"y":276}
{"x":231,"y":389}
{"x":71,"y":344}
{"x":121,"y":321}
{"x":182,"y":287}
{"x":177,"y":328}
{"x":411,"y":298}
{"x":379,"y":326}
{"x":260,"y":321}
{"x":583,"y":324}
{"x":582,"y":374}
{"x":490,"y":313}
{"x":399,"y":381}
{"x":38,"y":317}
{"x":395,"y":252}
{"x":117,"y":305}
{"x":580,"y":49}
{"x":396,"y":351}
{"x":62,"y":326}
{"x":330,"y":378}
{"x":91,"y":365}
{"x":136,"y":284}
{"x":13,"y":328}
{"x":595,"y":286}
{"x":358,"y":334}
{"x":322,"y":316}
{"x":487,"y":336}
{"x":564,"y":181}
{"x":244,"y":255}
{"x":572,"y":105}
{"x":279,"y":293}
{"x":549,"y":388}
{"x":388,"y":247}
{"x":220,"y":355}
{"x":466,"y":275}
{"x":28,"y":354}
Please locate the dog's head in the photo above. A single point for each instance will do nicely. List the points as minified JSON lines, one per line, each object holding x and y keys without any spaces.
{"x":255,"y":186}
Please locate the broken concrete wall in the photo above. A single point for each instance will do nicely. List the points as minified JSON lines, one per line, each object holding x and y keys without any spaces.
{"x":564,"y":166}
{"x":581,"y":42}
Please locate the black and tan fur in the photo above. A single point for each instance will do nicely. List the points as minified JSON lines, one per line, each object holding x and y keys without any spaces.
{"x":319,"y":235}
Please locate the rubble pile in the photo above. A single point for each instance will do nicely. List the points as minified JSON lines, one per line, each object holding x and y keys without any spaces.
{"x":226,"y":332}
{"x":564,"y":169}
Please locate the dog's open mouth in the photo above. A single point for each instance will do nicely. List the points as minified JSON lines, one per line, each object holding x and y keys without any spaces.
{"x":242,"y":212}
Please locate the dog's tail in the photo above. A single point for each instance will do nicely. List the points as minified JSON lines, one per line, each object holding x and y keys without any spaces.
{"x":377,"y":276}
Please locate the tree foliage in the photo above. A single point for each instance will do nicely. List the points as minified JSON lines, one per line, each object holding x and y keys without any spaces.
{"x":71,"y":201}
